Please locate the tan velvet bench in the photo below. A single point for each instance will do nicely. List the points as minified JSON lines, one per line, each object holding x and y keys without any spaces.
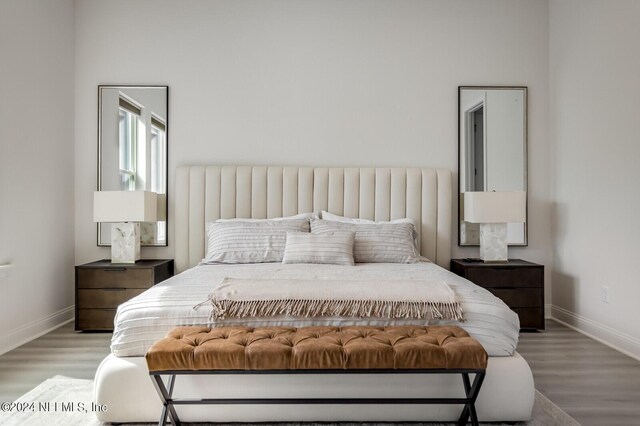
{"x":317,"y":350}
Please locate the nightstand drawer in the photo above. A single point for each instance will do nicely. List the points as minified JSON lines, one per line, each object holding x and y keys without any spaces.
{"x":102,"y":286}
{"x":116,"y":277}
{"x":530,"y":317}
{"x":506,"y":277}
{"x":95,"y":319}
{"x":519,"y":297}
{"x":106,"y":297}
{"x":519,"y":283}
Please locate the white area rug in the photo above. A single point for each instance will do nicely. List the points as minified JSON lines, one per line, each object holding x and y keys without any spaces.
{"x":61,"y":401}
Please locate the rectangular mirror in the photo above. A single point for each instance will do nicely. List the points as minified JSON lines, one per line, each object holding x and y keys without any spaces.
{"x":133,"y":127}
{"x":492,"y":150}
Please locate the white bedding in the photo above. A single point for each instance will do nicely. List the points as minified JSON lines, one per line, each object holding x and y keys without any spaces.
{"x":148,"y":317}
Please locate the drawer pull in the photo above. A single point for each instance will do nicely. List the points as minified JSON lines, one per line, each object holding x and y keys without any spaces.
{"x":115,"y":270}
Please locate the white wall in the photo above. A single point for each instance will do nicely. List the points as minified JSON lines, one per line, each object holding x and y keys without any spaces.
{"x":505,"y":127}
{"x":595,"y":126}
{"x":36,"y":167}
{"x":290,"y":82}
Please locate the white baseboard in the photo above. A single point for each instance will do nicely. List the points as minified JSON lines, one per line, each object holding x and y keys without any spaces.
{"x":33,"y":330}
{"x":621,"y":342}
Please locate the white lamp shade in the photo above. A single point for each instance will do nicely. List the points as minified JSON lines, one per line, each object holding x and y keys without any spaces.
{"x":125,"y":206}
{"x":495,"y":207}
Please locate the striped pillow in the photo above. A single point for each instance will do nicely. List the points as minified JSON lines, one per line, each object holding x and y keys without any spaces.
{"x":374,"y":243}
{"x":336,"y":249}
{"x":336,"y":218}
{"x":250,"y":242}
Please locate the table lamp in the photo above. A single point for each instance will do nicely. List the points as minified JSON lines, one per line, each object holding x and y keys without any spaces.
{"x":493,"y":211}
{"x":125,"y":210}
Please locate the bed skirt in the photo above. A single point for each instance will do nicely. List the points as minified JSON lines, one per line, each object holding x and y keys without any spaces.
{"x":123,"y":385}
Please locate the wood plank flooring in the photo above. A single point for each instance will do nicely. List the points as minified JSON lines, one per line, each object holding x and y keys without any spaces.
{"x":60,"y":352}
{"x":592,"y":382}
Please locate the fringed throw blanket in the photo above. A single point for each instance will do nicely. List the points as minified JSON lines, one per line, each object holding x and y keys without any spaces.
{"x":419,"y":299}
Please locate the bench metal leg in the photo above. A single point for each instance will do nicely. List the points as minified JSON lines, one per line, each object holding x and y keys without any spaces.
{"x":465,"y":411}
{"x":167,"y":401}
{"x":471,"y":391}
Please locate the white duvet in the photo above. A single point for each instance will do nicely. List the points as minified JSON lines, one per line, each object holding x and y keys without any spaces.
{"x":148,"y":317}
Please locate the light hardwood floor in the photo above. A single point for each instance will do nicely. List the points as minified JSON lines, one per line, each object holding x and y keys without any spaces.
{"x":61,"y":352}
{"x":592,"y":382}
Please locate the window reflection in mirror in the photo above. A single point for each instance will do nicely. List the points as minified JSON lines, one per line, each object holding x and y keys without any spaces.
{"x":128,"y":126}
{"x":132,"y":149}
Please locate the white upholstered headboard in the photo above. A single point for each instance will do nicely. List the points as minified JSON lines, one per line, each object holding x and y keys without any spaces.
{"x":206,"y":193}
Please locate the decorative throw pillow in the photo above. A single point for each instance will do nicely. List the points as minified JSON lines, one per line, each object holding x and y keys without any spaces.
{"x":374,"y":243}
{"x":336,"y":249}
{"x":337,"y":218}
{"x":240,"y":241}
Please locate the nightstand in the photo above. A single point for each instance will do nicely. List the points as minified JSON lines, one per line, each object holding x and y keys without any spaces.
{"x":101,"y":286}
{"x":520,"y":284}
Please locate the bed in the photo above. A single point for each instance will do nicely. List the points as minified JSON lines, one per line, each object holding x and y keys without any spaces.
{"x":206,"y":193}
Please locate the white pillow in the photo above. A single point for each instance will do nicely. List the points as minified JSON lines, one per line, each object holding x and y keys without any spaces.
{"x":241,"y":241}
{"x":335,"y":249}
{"x":336,"y":218}
{"x":374,"y":242}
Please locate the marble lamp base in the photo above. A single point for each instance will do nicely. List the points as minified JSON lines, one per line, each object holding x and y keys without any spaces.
{"x":493,"y":242}
{"x":125,"y":242}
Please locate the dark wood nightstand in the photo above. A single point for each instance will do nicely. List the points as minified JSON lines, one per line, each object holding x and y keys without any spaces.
{"x":520,"y":284}
{"x":101,"y":286}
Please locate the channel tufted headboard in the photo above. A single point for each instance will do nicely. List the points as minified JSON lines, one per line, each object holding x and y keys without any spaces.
{"x":206,"y":193}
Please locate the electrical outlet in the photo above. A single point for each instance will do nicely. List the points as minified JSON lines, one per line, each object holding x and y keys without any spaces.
{"x":605,"y":294}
